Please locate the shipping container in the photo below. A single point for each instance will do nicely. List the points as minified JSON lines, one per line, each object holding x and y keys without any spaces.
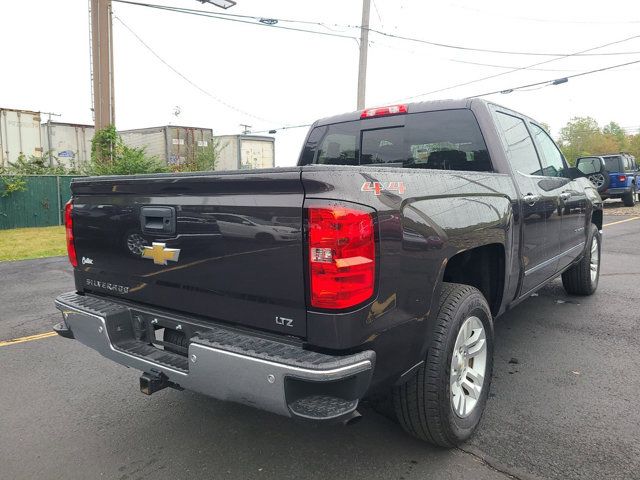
{"x":245,"y":152}
{"x":170,"y":144}
{"x":70,"y":143}
{"x":20,"y":134}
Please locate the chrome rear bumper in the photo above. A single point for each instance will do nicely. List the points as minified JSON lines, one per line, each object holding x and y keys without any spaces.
{"x":226,"y":364}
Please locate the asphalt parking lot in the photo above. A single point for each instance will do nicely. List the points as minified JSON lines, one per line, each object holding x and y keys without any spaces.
{"x":563,"y":404}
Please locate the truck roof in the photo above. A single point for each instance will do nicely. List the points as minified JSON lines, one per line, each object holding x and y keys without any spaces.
{"x":416,"y":107}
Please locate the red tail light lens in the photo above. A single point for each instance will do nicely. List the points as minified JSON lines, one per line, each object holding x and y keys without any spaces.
{"x":383,"y":111}
{"x":68,"y":223}
{"x":342,"y":259}
{"x":622,"y":178}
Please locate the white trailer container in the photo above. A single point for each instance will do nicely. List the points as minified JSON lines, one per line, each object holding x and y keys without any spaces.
{"x":20,"y":134}
{"x":245,"y":152}
{"x":171,"y":144}
{"x":70,"y":143}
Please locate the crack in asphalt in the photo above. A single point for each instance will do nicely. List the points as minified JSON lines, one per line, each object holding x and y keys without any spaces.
{"x":496,"y":465}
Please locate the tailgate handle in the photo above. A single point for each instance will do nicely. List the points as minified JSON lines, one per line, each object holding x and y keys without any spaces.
{"x":158,"y":220}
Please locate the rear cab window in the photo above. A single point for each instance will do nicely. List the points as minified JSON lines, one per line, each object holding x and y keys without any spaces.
{"x":442,"y":140}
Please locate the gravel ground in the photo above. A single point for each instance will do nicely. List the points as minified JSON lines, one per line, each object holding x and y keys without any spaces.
{"x":615,"y":207}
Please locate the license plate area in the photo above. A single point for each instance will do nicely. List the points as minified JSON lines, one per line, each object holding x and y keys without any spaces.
{"x":161,"y":332}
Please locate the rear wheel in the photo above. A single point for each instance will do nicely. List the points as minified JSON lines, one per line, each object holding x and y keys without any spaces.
{"x":582,"y":278}
{"x":629,"y":199}
{"x":444,"y":401}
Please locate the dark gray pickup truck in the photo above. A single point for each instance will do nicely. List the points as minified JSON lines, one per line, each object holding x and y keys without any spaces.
{"x":373,"y":269}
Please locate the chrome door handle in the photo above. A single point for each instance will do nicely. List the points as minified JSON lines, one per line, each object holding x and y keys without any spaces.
{"x":530,"y":199}
{"x":565,"y":196}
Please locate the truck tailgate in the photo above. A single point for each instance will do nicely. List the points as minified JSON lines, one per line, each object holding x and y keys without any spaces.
{"x":226,"y":246}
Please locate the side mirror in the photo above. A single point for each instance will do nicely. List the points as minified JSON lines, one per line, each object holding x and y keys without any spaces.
{"x":590,"y":165}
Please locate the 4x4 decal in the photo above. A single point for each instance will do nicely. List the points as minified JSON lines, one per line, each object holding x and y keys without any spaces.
{"x":378,"y":187}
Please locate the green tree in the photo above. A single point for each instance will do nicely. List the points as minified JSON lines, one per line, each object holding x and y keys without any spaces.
{"x":204,"y":160}
{"x":576,"y":137}
{"x":12,"y":177}
{"x":615,"y":132}
{"x":111,"y":156}
{"x":633,"y":146}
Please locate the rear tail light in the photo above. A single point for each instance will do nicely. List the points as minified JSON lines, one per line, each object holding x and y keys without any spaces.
{"x":68,"y":224}
{"x":342,"y":260}
{"x":383,"y":111}
{"x":622,"y":178}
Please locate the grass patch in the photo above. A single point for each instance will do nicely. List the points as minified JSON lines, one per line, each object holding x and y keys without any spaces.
{"x":25,"y":243}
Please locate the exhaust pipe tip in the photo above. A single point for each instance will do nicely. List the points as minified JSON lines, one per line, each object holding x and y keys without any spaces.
{"x":351,"y":419}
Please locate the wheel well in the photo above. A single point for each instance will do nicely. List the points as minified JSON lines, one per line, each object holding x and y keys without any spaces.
{"x":481,"y":267}
{"x":596,"y":218}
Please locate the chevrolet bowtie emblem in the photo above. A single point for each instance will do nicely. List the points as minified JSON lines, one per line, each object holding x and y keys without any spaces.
{"x":160,"y":253}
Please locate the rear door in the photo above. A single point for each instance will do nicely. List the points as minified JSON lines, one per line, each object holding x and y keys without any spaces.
{"x":614,"y":165}
{"x":206,"y":245}
{"x":571,"y":198}
{"x":540,"y":240}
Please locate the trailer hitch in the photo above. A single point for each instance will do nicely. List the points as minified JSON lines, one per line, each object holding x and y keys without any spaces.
{"x":152,"y":382}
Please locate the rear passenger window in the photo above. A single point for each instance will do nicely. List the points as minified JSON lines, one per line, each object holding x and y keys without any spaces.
{"x":522,"y":154}
{"x":338,"y":149}
{"x":446,"y":140}
{"x":553,"y":162}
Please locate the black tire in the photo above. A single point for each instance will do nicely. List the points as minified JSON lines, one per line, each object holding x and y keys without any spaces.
{"x":629,"y":199}
{"x":577,"y":280}
{"x":423,"y":404}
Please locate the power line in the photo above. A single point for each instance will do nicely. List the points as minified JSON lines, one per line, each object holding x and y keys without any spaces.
{"x":469,"y":82}
{"x":486,"y":50}
{"x":239,"y":18}
{"x":556,"y":81}
{"x":481,"y":64}
{"x":286,"y":127}
{"x":185,"y":78}
{"x":257,"y":21}
{"x":375,"y":7}
{"x":507,"y":67}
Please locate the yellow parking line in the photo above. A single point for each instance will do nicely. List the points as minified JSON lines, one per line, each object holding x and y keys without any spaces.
{"x":30,"y":338}
{"x":621,"y":221}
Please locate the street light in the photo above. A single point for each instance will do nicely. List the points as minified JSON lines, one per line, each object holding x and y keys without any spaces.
{"x":220,"y":3}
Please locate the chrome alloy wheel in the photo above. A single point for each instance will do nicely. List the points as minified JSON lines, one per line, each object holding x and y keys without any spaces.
{"x":597,"y":179}
{"x":468,"y":367}
{"x":595,"y":259}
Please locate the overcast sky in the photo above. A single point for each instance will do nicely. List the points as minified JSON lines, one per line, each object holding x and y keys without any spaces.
{"x":279,"y":77}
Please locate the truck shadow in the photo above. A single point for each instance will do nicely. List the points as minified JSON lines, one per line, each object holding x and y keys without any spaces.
{"x":235,"y":441}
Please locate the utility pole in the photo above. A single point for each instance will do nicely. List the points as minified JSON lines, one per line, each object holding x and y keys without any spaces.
{"x":49,"y":146}
{"x":364,"y":47}
{"x":246,"y":129}
{"x":102,"y":63}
